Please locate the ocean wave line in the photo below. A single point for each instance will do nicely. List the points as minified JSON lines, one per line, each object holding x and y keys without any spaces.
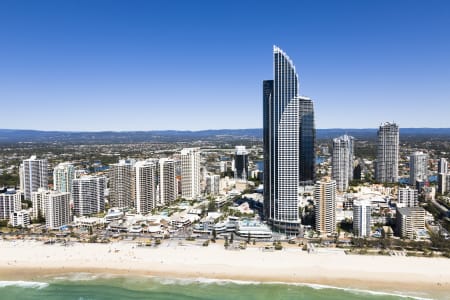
{"x":24,"y":284}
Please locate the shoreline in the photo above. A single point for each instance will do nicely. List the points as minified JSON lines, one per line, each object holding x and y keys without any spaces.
{"x":413,"y":276}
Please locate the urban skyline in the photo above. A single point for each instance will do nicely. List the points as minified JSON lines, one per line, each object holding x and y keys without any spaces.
{"x":117,"y":61}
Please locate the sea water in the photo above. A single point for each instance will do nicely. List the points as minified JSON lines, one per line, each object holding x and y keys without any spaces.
{"x":103,"y":287}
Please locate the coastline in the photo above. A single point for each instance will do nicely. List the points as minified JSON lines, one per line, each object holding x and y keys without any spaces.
{"x":414,"y":276}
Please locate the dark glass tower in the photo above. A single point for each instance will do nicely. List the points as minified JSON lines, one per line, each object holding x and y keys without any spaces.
{"x":289,"y":138}
{"x":241,"y":163}
{"x":307,"y":142}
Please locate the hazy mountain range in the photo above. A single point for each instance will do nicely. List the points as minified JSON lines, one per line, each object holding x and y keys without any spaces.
{"x":36,"y":136}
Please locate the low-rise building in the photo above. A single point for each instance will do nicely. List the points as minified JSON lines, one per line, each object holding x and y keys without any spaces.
{"x":20,"y":218}
{"x":409,"y":221}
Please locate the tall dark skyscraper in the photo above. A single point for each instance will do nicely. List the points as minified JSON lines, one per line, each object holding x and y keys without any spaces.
{"x":289,"y":138}
{"x":241,"y":163}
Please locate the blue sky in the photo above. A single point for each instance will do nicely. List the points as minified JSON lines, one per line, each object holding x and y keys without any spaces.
{"x":150,"y":65}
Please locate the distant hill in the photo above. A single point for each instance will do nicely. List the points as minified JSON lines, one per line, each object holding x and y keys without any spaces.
{"x":35,"y":136}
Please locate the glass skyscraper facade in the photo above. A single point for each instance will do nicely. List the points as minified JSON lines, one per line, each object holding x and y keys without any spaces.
{"x":289,"y":138}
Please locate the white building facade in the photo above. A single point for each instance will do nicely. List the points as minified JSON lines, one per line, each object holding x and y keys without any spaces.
{"x":63,"y":174}
{"x":10,"y":201}
{"x":342,"y":162}
{"x":57,"y":207}
{"x":122,"y":184}
{"x":407,"y":197}
{"x":35,"y":175}
{"x":418,"y":167}
{"x":190,"y":173}
{"x":145,"y":186}
{"x":88,"y":195}
{"x":167,"y":181}
{"x":361,"y":218}
{"x":387,"y":153}
{"x":325,"y":206}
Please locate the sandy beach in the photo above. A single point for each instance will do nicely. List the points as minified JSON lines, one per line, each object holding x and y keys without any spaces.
{"x":28,"y":260}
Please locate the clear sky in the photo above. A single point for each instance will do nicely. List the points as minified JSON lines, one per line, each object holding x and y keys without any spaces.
{"x":150,"y":65}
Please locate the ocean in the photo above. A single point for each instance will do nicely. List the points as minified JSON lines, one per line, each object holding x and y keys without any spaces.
{"x":103,"y":287}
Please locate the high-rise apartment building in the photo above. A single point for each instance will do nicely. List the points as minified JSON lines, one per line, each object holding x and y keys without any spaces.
{"x":407,"y":197}
{"x":35,"y":175}
{"x":167,"y":181}
{"x":38,"y":203}
{"x":146,"y":183}
{"x":63,"y":174}
{"x":342,"y":161}
{"x":418,"y":168}
{"x":241,"y":163}
{"x":409,"y":220}
{"x":325,"y":206}
{"x":190,"y":173}
{"x":57,"y":209}
{"x":442,"y":165}
{"x":122,"y":184}
{"x":361,"y":218}
{"x":289,"y":138}
{"x":443,"y":183}
{"x":307,"y":161}
{"x":9,"y":203}
{"x":213,"y":185}
{"x":88,"y":195}
{"x":387,"y":153}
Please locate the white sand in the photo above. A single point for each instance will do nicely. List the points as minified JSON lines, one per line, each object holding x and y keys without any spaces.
{"x":29,"y":259}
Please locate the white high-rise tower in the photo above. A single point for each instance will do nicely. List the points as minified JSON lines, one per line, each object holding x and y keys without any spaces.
{"x":145,"y":186}
{"x":325,"y":206}
{"x":190,"y":173}
{"x":63,"y":174}
{"x":418,"y":167}
{"x":342,"y":161}
{"x":122,"y":184}
{"x":167,"y":181}
{"x":387,"y":153}
{"x":361,"y":218}
{"x":35,"y":175}
{"x":88,"y":194}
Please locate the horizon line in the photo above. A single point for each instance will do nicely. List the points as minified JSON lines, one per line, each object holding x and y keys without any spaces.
{"x":199,"y":130}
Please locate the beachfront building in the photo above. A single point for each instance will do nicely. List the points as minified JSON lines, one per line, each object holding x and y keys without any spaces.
{"x":240,"y":163}
{"x":10,"y":201}
{"x":387,"y":153}
{"x":212,"y":185}
{"x":289,"y":136}
{"x":409,"y":220}
{"x":122,"y":184}
{"x":418,"y":168}
{"x":57,"y":208}
{"x":250,"y":228}
{"x":88,"y":194}
{"x":190,"y":173}
{"x":407,"y":197}
{"x":20,"y":218}
{"x":63,"y":174}
{"x":34,"y":175}
{"x":167,"y":181}
{"x":38,"y":203}
{"x":361,"y":218}
{"x":145,"y":186}
{"x":342,"y":162}
{"x":325,"y":206}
